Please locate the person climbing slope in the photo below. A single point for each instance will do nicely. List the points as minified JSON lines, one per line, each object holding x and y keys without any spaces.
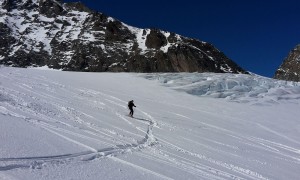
{"x":130,"y":106}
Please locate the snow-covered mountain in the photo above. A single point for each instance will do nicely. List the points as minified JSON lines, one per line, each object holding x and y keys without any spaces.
{"x":289,"y":70}
{"x":73,"y":125}
{"x":70,"y":36}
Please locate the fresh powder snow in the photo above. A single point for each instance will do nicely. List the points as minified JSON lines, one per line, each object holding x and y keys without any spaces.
{"x":74,"y":125}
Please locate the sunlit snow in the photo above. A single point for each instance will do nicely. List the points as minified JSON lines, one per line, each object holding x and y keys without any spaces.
{"x":74,"y":125}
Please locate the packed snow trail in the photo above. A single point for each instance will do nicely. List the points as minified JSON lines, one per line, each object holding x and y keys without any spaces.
{"x":67,"y":125}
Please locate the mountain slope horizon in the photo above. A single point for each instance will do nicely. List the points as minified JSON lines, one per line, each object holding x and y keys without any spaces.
{"x":70,"y":36}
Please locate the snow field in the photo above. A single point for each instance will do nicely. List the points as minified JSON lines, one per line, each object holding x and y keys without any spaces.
{"x":74,"y":125}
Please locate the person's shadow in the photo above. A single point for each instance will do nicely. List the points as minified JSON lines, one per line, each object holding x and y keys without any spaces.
{"x":141,"y":119}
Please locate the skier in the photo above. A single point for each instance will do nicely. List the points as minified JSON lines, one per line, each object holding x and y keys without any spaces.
{"x":130,"y":106}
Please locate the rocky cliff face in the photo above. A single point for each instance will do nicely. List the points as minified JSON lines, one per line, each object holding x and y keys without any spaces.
{"x":70,"y":36}
{"x":290,"y":68}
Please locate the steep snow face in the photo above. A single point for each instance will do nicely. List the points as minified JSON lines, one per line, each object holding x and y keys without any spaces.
{"x":70,"y":125}
{"x":141,"y":39}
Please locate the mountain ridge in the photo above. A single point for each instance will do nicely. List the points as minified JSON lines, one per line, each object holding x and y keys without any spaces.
{"x":289,"y":70}
{"x":70,"y":36}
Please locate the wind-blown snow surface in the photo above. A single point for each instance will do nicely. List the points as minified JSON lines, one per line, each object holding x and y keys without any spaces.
{"x":72,"y":125}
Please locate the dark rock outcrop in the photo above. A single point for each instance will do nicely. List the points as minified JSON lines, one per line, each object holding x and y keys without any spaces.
{"x":72,"y":37}
{"x":50,"y":8}
{"x":155,"y":39}
{"x":290,"y":68}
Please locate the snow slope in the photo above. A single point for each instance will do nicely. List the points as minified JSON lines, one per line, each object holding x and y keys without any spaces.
{"x":73,"y":125}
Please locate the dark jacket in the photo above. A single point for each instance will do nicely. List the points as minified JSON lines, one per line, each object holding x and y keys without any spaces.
{"x":130,"y":104}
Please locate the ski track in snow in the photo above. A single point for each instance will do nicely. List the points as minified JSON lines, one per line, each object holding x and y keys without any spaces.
{"x":44,"y":121}
{"x":58,"y":116}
